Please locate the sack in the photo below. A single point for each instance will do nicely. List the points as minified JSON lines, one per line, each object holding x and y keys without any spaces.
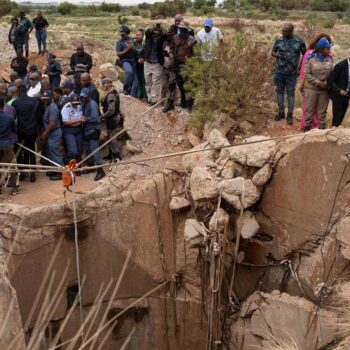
{"x":95,"y":135}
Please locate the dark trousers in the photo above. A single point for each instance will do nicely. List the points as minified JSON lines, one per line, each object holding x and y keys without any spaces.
{"x":29,"y":142}
{"x":340,"y":106}
{"x":285,"y":83}
{"x":176,"y":78}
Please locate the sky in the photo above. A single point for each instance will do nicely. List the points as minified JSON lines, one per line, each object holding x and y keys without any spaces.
{"x":122,"y":2}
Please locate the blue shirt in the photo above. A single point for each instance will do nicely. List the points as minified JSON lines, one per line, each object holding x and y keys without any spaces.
{"x":56,"y":69}
{"x":92,"y":117}
{"x":7,"y":128}
{"x":52,"y":114}
{"x":292,"y":49}
{"x":121,"y":46}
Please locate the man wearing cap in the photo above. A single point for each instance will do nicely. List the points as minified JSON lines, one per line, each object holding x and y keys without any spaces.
{"x":153,"y":59}
{"x":73,"y":121}
{"x":52,"y":134}
{"x":209,"y":38}
{"x":111,"y":114}
{"x":318,"y":68}
{"x":53,"y":70}
{"x":82,"y":58}
{"x":68,"y":92}
{"x":35,"y":85}
{"x":181,"y":48}
{"x":92,"y":129}
{"x":339,"y":86}
{"x":20,"y":64}
{"x":27,"y":123}
{"x":174,"y":28}
{"x":288,"y":50}
{"x":126,"y":56}
{"x":86,"y":83}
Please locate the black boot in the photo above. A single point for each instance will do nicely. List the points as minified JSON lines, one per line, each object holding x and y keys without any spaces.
{"x":290,"y":120}
{"x":100,"y":174}
{"x":55,"y":177}
{"x":169,"y":106}
{"x":281,"y":115}
{"x":32,"y":177}
{"x":183,"y":102}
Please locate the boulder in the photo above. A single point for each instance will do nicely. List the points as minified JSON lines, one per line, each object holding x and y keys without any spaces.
{"x":194,"y":233}
{"x":216,"y":139}
{"x":198,"y":159}
{"x":262,"y":175}
{"x":282,"y":317}
{"x":202,"y":184}
{"x":246,"y":126}
{"x":222,"y":219}
{"x":256,"y":154}
{"x":221,"y":122}
{"x":248,"y":225}
{"x":178,"y":203}
{"x":193,"y":139}
{"x":227,"y":173}
{"x":107,"y":70}
{"x":239,"y":192}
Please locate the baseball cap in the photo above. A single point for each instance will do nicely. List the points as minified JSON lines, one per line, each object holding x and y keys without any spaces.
{"x":124,"y":30}
{"x":323,"y":43}
{"x":68,"y":84}
{"x":106,"y":81}
{"x":75,"y":100}
{"x":209,"y":23}
{"x":33,"y":68}
{"x":46,"y":95}
{"x":85,"y":92}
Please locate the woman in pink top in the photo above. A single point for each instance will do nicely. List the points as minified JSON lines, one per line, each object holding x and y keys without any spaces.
{"x":312,"y":47}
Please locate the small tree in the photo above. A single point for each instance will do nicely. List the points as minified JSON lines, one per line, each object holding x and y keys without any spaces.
{"x":235,"y":83}
{"x":168,"y":8}
{"x":65,"y":8}
{"x":107,"y":7}
{"x":6,"y":7}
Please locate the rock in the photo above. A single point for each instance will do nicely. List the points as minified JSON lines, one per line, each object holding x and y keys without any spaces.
{"x":222,"y":220}
{"x":343,"y":235}
{"x":248,"y":225}
{"x":107,"y":70}
{"x":255,"y":155}
{"x":203,"y":186}
{"x":131,"y":148}
{"x":216,"y":139}
{"x":262,"y":176}
{"x":227,"y":173}
{"x":198,"y":159}
{"x":239,"y":192}
{"x":273,"y":316}
{"x":193,"y":139}
{"x":221,"y":122}
{"x":194,"y":233}
{"x":236,"y":167}
{"x":177,"y":203}
{"x":246,"y":126}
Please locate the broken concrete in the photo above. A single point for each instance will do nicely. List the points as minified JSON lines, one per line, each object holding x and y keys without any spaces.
{"x":248,"y":225}
{"x":203,"y":185}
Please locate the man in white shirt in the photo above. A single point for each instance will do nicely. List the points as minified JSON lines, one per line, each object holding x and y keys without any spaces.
{"x":35,"y":85}
{"x":209,"y":38}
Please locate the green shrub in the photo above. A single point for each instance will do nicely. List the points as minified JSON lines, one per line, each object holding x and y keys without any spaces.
{"x":168,"y":9}
{"x":7,"y":7}
{"x":108,"y":7}
{"x":65,"y":8}
{"x":231,"y":84}
{"x":122,"y":20}
{"x":135,"y":11}
{"x":328,"y":23}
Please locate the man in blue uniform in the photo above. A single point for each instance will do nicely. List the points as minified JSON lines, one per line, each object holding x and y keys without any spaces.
{"x":53,"y":132}
{"x":92,"y":129}
{"x":288,"y":49}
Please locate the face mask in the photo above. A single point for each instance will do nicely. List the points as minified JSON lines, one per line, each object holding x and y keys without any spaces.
{"x":32,"y":82}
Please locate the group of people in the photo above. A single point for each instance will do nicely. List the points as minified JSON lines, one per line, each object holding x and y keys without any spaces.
{"x":320,"y":79}
{"x":20,"y":30}
{"x":62,"y":121}
{"x":154,"y":61}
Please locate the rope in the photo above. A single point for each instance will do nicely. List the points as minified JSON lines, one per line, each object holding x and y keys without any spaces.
{"x":191,"y":151}
{"x":77,"y":255}
{"x":119,"y":133}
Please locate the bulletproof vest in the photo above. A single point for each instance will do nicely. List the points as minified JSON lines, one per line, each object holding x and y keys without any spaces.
{"x":104,"y":102}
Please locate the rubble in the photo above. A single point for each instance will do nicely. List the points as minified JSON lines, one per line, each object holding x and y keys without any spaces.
{"x":343,"y":236}
{"x":194,"y":232}
{"x":283,"y":317}
{"x":262,"y":176}
{"x":248,"y":225}
{"x":198,"y":159}
{"x":203,"y":185}
{"x":178,"y":203}
{"x":219,"y":220}
{"x":107,"y":70}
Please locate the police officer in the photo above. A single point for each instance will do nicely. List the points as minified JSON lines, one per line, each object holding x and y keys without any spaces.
{"x":72,"y":120}
{"x":111,"y":113}
{"x":52,"y":134}
{"x":92,"y":129}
